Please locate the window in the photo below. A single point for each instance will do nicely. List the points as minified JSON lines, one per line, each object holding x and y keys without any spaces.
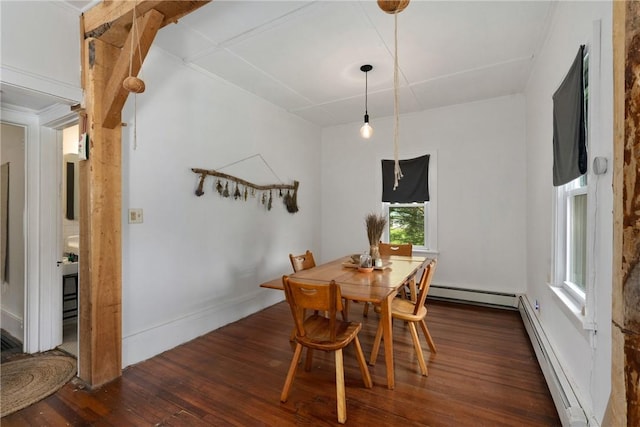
{"x":570,"y":265}
{"x":407,"y":223}
{"x":571,"y":238}
{"x":414,"y":222}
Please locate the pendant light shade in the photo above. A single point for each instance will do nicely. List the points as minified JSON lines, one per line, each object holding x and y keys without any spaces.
{"x":366,"y":130}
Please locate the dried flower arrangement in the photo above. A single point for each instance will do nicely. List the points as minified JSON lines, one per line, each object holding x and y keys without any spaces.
{"x":375,"y":226}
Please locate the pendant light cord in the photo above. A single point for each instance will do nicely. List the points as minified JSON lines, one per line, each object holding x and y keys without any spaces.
{"x":134,"y":37}
{"x":366,"y":92}
{"x":396,"y":170}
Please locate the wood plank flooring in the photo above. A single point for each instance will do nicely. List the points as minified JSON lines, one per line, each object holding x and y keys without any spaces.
{"x":484,"y":374}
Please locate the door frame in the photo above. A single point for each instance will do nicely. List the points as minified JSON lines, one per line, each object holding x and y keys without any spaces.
{"x":42,"y":319}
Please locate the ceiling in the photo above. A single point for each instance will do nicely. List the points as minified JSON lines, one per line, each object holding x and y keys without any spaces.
{"x":305,"y":56}
{"x":28,"y":100}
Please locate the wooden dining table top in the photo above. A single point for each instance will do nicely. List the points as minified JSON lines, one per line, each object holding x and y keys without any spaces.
{"x":356,"y":285}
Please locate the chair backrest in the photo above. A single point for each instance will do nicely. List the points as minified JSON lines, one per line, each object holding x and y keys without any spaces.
{"x":387,"y":249}
{"x":302,"y":262}
{"x":319,"y":297}
{"x":425,"y":282}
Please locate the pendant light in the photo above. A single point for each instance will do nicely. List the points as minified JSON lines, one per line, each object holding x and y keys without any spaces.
{"x":366,"y":130}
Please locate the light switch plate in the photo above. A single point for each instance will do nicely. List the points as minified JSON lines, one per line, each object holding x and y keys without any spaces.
{"x":135,"y":216}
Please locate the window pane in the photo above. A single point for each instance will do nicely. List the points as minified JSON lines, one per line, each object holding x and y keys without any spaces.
{"x":577,"y":261}
{"x":406,"y":224}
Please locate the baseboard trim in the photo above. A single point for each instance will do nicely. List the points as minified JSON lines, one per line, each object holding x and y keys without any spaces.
{"x":144,"y":344}
{"x":474,"y":296}
{"x":567,"y":404}
{"x":12,"y":324}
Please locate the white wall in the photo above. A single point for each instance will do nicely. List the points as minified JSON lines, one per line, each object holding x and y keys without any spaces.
{"x":481,"y":183}
{"x":13,"y":152}
{"x":585,"y":358}
{"x":195,"y":263}
{"x":41,"y":47}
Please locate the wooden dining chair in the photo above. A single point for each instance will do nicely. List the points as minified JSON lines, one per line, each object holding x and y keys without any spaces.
{"x":388,"y":249}
{"x":412,"y":313}
{"x":302,"y":262}
{"x":318,"y":332}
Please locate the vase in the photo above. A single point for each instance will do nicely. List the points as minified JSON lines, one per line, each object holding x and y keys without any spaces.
{"x":374,"y":251}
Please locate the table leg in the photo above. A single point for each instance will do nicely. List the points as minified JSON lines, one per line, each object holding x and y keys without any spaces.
{"x":387,"y":335}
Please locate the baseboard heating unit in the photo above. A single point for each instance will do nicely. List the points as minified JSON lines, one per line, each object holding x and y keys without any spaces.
{"x":567,"y":404}
{"x":474,"y":296}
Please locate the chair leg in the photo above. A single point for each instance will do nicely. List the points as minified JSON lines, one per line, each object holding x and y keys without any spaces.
{"x":365,"y":310}
{"x":291,"y":374}
{"x":416,"y":346}
{"x":425,"y":330}
{"x":309,"y":360}
{"x":366,"y":376}
{"x":345,"y":310}
{"x":376,"y":345}
{"x":340,"y":393}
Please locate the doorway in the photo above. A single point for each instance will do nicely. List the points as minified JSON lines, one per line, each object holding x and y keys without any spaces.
{"x":70,"y":227}
{"x":12,"y":243}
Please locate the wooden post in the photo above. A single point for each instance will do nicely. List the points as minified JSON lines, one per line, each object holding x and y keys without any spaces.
{"x":100,"y":228}
{"x":623,"y":408}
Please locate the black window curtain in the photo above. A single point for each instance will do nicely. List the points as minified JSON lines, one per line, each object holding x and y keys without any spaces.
{"x":569,"y":127}
{"x":414,"y":185}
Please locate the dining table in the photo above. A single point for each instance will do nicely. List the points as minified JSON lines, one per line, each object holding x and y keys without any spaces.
{"x":379,"y":287}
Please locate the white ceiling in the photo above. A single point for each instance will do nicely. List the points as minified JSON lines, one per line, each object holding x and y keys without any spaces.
{"x":305,"y":56}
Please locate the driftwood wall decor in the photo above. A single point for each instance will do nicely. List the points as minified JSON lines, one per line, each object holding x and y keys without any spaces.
{"x":242,"y":189}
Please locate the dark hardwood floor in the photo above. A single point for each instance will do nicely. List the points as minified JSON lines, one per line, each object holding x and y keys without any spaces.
{"x":484,"y":374}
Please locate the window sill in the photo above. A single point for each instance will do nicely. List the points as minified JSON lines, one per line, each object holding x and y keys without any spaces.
{"x":572,"y":309}
{"x":425,"y":251}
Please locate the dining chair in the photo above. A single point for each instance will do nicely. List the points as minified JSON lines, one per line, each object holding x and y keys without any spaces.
{"x":388,"y":249}
{"x":412,"y":313}
{"x":318,"y":332}
{"x":302,"y":262}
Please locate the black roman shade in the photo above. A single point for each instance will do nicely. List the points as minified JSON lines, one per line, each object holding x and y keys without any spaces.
{"x":414,"y":185}
{"x":569,"y":127}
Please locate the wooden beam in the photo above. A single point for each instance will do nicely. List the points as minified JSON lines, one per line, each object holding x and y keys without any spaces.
{"x":100,"y":228}
{"x":110,"y":21}
{"x":624,"y":403}
{"x":131,"y":58}
{"x":631,"y":215}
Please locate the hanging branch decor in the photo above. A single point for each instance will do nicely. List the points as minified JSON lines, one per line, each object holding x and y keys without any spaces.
{"x":290,"y":200}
